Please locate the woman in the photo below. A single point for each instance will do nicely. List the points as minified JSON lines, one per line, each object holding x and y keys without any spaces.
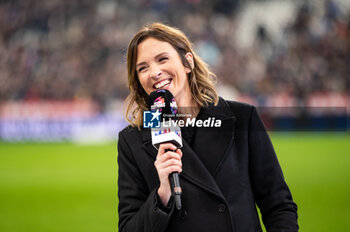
{"x":224,"y":171}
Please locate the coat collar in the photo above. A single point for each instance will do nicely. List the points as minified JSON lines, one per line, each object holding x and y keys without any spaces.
{"x":221,"y":110}
{"x":201,"y":166}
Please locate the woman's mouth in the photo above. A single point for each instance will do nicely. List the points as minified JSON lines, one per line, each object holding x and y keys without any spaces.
{"x":162,"y":84}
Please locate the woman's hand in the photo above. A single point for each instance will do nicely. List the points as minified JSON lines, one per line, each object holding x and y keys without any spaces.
{"x":167,"y":162}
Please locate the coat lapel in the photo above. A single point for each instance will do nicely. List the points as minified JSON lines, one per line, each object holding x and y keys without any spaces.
{"x":210,"y":145}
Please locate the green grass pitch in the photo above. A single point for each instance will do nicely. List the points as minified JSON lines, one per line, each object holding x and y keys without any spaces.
{"x":65,"y":187}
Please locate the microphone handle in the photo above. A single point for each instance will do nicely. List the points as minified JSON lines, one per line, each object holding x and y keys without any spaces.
{"x":176,"y":188}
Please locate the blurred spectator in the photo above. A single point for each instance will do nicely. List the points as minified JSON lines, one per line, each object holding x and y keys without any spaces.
{"x":67,"y":50}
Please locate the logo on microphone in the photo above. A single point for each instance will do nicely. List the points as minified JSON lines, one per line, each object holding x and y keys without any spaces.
{"x":173,"y":106}
{"x":151,"y":119}
{"x":158,"y":103}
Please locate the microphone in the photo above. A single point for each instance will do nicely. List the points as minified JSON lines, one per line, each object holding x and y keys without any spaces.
{"x":163,"y":101}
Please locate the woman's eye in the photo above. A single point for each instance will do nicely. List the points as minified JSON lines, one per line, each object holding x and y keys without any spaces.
{"x":141,"y":69}
{"x":162,"y":59}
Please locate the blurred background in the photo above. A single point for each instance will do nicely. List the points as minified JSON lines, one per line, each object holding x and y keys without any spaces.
{"x":63,"y":84}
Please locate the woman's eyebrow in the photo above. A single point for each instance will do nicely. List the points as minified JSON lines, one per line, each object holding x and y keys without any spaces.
{"x":161,"y":54}
{"x":140,"y":64}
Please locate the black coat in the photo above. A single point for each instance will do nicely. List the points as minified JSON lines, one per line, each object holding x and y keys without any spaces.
{"x":233,"y":169}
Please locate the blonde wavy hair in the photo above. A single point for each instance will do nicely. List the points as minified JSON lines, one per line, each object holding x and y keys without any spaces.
{"x":201,"y":80}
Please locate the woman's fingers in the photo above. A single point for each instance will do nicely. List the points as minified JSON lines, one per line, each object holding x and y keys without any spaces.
{"x":168,"y":155}
{"x":166,"y":146}
{"x":168,"y":161}
{"x":171,"y":163}
{"x":178,"y":151}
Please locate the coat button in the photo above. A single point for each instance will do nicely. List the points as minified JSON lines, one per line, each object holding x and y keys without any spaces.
{"x":221,"y":208}
{"x":183,"y":214}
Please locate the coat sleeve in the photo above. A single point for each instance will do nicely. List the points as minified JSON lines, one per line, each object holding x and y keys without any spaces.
{"x":138,"y":207}
{"x":272,"y":195}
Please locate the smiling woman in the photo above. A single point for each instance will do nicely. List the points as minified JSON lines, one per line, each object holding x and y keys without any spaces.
{"x":225,"y":169}
{"x":159,"y":66}
{"x":161,"y":57}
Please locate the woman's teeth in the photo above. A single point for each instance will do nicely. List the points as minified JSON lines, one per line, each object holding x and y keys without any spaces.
{"x":162,"y":84}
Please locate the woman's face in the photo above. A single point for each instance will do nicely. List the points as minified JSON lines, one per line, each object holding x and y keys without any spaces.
{"x":159,"y":66}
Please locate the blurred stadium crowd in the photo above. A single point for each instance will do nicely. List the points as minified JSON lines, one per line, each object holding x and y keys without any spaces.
{"x":66,"y":50}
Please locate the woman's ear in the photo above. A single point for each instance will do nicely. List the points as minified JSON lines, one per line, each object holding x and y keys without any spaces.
{"x":189,"y":58}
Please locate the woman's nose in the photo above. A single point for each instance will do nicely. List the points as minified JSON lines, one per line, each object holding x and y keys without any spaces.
{"x":156,"y":73}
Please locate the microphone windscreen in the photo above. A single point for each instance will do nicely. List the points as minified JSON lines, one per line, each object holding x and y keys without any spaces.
{"x":164,"y":101}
